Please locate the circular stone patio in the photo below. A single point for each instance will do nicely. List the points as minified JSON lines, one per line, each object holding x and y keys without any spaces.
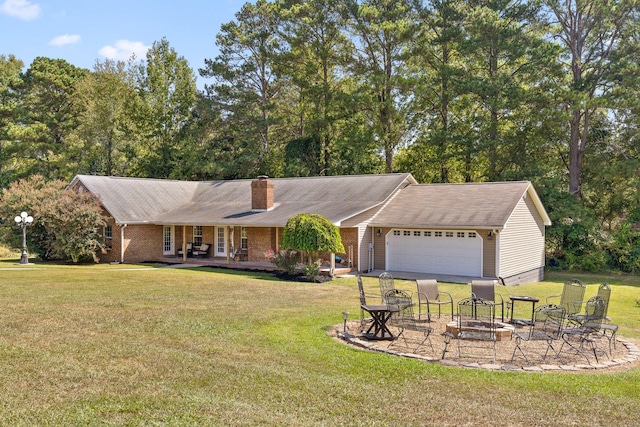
{"x":624,"y":355}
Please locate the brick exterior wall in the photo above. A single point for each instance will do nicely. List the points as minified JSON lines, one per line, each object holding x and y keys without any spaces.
{"x":350,"y":238}
{"x":262,"y":194}
{"x":260,"y":240}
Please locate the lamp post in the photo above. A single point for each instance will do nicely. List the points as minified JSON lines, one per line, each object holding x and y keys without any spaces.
{"x":24,"y":220}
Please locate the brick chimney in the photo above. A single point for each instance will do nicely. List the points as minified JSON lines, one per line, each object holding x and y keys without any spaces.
{"x":262,"y":193}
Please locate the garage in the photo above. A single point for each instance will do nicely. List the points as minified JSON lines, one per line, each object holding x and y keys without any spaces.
{"x":456,"y":252}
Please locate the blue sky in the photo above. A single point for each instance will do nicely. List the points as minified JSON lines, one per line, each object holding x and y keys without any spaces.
{"x":83,"y":31}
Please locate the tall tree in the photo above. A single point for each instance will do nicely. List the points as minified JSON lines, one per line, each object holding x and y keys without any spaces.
{"x":437,"y":107}
{"x":316,"y":63}
{"x":246,"y":86}
{"x":48,"y":116}
{"x":10,"y":69}
{"x":107,"y":133}
{"x":505,"y":51}
{"x":167,"y":87}
{"x":384,"y":29}
{"x":589,"y":31}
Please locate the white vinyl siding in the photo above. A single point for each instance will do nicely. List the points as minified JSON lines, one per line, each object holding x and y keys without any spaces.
{"x":522,"y":240}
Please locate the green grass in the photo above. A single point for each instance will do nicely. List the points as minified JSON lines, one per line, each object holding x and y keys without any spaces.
{"x":138,"y":345}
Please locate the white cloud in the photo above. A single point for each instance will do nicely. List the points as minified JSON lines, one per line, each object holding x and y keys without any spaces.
{"x":65,"y":40}
{"x":21,"y":9}
{"x":123,"y":50}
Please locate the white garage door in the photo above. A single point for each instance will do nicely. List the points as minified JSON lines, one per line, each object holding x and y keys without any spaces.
{"x":438,"y":252}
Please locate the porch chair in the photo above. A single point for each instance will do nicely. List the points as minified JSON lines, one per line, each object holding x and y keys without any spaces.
{"x":203,"y":250}
{"x":476,"y":324}
{"x":428,"y":294}
{"x":571,"y":297}
{"x":189,"y":249}
{"x":405,"y":321}
{"x":485,"y":289}
{"x":546,"y":326}
{"x":386,"y":284}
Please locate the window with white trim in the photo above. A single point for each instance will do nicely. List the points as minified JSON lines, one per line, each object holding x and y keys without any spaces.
{"x":416,"y":233}
{"x":438,"y":233}
{"x":406,"y":233}
{"x":396,"y":232}
{"x":460,"y":234}
{"x":107,"y":237}
{"x":472,"y":234}
{"x":243,"y":238}
{"x":197,"y":235}
{"x":427,"y":234}
{"x":448,"y":234}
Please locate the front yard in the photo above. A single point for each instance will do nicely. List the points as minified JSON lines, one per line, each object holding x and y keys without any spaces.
{"x":138,"y":345}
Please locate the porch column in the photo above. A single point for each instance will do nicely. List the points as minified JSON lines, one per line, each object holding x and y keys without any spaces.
{"x":184,"y":243}
{"x":226,"y":239}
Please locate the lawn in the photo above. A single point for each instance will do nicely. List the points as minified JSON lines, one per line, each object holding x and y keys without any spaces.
{"x":137,"y":345}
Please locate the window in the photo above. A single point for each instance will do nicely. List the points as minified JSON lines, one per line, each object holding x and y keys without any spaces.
{"x":406,"y":233}
{"x":460,"y":234}
{"x":427,"y":234}
{"x":472,"y":234}
{"x":438,"y":233}
{"x":107,"y":237}
{"x":396,"y":232}
{"x":449,"y":234}
{"x":243,"y":238}
{"x":197,"y":235}
{"x":416,"y":233}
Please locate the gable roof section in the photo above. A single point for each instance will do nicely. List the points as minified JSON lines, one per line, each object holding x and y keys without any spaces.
{"x":137,"y":200}
{"x":157,"y":201}
{"x":457,"y":206}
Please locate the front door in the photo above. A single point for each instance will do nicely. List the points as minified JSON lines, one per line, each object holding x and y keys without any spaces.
{"x":168,"y":245}
{"x":220,"y":243}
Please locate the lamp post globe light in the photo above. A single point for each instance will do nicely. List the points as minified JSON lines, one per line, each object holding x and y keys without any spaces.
{"x":24,"y":220}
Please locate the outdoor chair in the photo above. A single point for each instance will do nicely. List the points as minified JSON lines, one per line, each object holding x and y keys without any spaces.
{"x":386,"y":284}
{"x":476,"y":325}
{"x":189,"y":249}
{"x":203,"y":250}
{"x":571,"y":297}
{"x":486,"y":290}
{"x":363,"y":301}
{"x":405,"y":320}
{"x":604,"y":291}
{"x":546,"y":326}
{"x":582,"y":338}
{"x":428,"y":295}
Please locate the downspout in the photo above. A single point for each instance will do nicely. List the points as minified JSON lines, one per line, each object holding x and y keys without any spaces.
{"x":122,"y":243}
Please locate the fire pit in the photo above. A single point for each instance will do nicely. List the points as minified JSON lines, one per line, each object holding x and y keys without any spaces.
{"x":503,"y":330}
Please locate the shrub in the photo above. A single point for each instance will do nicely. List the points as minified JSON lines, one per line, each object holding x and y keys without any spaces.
{"x":312,"y":271}
{"x":286,"y":260}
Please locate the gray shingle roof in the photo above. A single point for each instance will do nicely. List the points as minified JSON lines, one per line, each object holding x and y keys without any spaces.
{"x":157,"y":201}
{"x":470,"y":205}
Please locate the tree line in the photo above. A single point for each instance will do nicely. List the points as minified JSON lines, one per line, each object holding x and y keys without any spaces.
{"x":449,"y":90}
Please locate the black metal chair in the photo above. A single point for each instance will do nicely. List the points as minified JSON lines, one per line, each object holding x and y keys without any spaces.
{"x":546,"y":326}
{"x":582,"y":338}
{"x":428,"y":294}
{"x":386,"y":284}
{"x":571,"y":298}
{"x":486,"y":290}
{"x":363,"y":301}
{"x":476,"y":324}
{"x":405,"y":320}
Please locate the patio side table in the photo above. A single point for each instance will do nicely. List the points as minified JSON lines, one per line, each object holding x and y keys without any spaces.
{"x":532,"y":300}
{"x":380,"y":314}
